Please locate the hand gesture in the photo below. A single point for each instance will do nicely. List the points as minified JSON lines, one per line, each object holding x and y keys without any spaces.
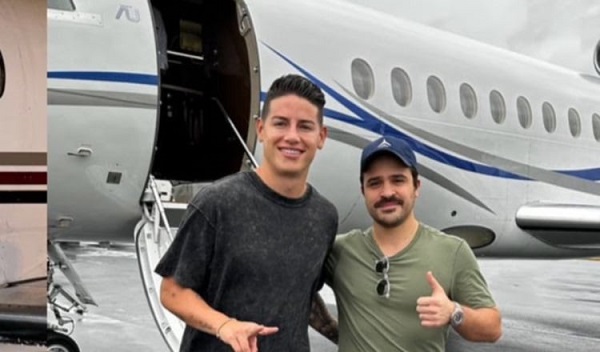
{"x":435,"y":310}
{"x":242,"y":336}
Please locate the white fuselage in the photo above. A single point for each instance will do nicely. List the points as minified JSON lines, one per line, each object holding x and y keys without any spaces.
{"x":476,"y":172}
{"x":102,"y":118}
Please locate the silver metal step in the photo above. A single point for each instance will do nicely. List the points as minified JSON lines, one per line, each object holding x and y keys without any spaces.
{"x":153,"y":235}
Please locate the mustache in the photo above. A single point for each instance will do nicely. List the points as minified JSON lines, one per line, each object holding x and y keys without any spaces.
{"x":387,"y":200}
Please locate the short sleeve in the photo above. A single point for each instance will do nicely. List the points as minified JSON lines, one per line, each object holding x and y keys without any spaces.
{"x":469,"y":286}
{"x":331,"y":262}
{"x":189,"y":256}
{"x":321,"y":279}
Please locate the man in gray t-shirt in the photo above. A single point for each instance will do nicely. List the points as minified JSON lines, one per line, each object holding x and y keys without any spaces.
{"x":248,"y":255}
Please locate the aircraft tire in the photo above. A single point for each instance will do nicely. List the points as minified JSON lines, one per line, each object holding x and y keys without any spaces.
{"x":58,"y":342}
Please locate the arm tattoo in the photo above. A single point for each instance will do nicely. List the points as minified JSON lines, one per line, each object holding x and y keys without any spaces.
{"x":322,"y":321}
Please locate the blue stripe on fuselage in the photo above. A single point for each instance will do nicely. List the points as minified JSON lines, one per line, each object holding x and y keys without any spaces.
{"x":121,"y":77}
{"x":367,"y":121}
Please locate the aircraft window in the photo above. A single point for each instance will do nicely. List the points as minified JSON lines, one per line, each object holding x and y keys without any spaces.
{"x":2,"y":75}
{"x":468,"y":100}
{"x":436,"y":94}
{"x":574,"y":123}
{"x":401,"y":87}
{"x":597,"y":57}
{"x":596,"y":126}
{"x":549,"y":117}
{"x":65,"y":5}
{"x":498,"y":106}
{"x":362,"y":78}
{"x":524,"y":112}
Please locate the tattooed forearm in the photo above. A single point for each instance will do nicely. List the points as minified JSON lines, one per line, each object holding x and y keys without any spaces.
{"x":322,"y":321}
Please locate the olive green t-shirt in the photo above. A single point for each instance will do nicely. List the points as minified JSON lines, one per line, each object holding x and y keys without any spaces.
{"x":369,"y":322}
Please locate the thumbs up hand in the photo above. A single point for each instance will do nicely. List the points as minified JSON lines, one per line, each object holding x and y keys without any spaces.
{"x":435,"y":310}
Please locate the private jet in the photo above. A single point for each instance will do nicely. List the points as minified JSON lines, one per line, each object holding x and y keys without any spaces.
{"x":150,"y":100}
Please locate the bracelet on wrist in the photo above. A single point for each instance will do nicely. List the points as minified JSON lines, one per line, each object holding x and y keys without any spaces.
{"x":221,"y":327}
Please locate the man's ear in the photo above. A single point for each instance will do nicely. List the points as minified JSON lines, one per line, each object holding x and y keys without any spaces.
{"x":259,"y":129}
{"x":322,"y":136}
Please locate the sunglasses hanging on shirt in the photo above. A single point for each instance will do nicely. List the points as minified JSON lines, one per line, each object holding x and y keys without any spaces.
{"x":382,"y":266}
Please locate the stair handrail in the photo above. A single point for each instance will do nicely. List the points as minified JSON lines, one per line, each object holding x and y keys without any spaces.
{"x":237,"y":134}
{"x":159,"y":205}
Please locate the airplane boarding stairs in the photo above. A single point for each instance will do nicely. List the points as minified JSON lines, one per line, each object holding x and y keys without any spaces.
{"x":153,"y":235}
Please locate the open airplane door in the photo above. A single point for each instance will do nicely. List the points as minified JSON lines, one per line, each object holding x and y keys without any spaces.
{"x":209,"y":93}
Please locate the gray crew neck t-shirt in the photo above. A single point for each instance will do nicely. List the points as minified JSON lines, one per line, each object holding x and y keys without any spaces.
{"x":254,"y":255}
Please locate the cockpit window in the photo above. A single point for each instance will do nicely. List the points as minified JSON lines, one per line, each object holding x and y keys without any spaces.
{"x":64,"y":5}
{"x":2,"y":75}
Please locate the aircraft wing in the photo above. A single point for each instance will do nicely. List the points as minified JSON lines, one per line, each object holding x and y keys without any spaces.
{"x":562,"y":224}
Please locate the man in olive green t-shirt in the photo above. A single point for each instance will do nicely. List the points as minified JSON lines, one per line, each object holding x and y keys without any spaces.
{"x":400,"y":284}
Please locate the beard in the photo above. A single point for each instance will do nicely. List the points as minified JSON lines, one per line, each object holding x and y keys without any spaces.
{"x":390,"y":222}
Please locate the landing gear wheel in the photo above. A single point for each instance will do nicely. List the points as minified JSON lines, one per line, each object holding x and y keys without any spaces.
{"x":58,"y":342}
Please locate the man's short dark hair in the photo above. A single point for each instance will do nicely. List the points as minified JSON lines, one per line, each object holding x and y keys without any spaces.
{"x":296,"y":85}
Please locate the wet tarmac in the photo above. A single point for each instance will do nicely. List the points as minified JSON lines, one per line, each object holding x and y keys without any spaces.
{"x":21,"y":348}
{"x":547,"y":305}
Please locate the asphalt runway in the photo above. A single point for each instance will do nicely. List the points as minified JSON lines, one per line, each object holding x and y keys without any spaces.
{"x":547,"y":305}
